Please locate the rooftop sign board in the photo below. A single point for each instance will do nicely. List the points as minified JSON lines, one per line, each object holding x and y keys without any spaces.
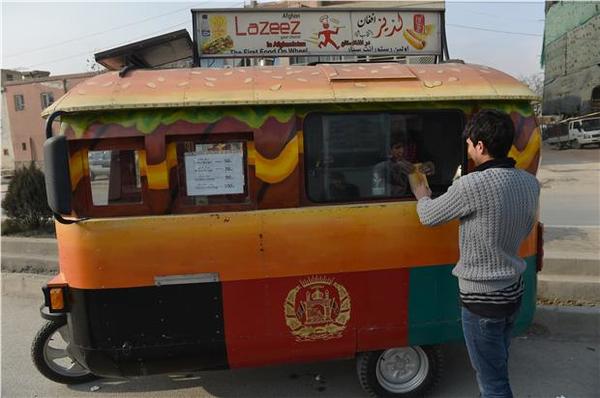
{"x":303,"y":32}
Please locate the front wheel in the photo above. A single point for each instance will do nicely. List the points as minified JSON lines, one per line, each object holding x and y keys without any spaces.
{"x":399,"y":372}
{"x":51,"y":358}
{"x":575,"y":144}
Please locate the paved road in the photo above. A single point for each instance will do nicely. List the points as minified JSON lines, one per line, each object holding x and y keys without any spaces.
{"x":570,"y":186}
{"x":545,"y":363}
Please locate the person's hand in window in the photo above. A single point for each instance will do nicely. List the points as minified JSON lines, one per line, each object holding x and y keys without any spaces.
{"x":427,"y":168}
{"x":420,"y":188}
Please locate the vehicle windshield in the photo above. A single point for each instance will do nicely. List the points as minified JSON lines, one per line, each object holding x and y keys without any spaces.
{"x":591,"y":124}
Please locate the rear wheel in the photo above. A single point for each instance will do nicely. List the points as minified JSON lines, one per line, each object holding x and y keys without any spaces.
{"x":399,"y":372}
{"x":51,"y":358}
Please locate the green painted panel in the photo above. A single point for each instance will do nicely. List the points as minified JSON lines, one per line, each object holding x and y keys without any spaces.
{"x":434,"y":307}
{"x":147,"y":121}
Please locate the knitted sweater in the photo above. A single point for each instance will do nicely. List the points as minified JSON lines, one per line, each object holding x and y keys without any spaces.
{"x":497,"y":208}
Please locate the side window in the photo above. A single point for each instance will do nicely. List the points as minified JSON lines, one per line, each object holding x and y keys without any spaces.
{"x":115,"y":177}
{"x":212,"y":173}
{"x":47,"y":99}
{"x":19,"y":102}
{"x":353,"y":157}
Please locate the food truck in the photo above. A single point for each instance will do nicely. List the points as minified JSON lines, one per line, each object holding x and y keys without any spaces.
{"x":242,"y":223}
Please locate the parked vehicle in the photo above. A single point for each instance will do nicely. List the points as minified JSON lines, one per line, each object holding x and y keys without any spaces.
{"x":575,"y":132}
{"x":244,"y":224}
{"x":99,"y":162}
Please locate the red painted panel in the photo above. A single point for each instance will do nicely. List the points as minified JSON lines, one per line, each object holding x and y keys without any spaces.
{"x":313,"y":318}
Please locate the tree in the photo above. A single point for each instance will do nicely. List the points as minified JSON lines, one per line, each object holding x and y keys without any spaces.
{"x":535,"y":82}
{"x":25,"y":201}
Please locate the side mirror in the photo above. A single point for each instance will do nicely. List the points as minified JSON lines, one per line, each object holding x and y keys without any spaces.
{"x":58,"y":178}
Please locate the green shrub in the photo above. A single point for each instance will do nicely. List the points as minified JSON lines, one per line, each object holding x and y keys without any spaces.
{"x":11,"y":227}
{"x":25,"y":202}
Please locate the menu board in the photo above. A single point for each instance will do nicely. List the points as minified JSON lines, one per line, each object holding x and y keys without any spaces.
{"x":215,"y":169}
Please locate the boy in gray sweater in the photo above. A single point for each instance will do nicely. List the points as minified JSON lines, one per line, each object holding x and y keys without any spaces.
{"x":497,"y":207}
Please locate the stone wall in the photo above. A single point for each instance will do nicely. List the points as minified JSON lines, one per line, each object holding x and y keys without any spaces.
{"x":572,"y":69}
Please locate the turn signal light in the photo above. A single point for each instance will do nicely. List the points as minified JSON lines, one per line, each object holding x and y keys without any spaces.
{"x":57,"y":299}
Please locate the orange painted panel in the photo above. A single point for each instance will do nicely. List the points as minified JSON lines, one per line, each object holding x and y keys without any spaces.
{"x":128,"y":252}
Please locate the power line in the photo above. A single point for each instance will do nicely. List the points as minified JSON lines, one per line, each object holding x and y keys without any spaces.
{"x":493,"y":30}
{"x":102,"y":32}
{"x":115,"y":45}
{"x":94,"y":34}
{"x":503,"y":17}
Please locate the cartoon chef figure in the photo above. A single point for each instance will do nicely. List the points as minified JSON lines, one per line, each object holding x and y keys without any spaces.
{"x":326,"y":32}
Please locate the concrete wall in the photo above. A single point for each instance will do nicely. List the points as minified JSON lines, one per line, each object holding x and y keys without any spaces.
{"x":571,"y":61}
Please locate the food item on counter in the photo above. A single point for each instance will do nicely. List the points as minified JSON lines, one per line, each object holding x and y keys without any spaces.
{"x":217,"y":45}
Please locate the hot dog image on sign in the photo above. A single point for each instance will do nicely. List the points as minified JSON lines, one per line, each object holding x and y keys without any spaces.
{"x":318,"y":308}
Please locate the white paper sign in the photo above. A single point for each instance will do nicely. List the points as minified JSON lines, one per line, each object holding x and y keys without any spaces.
{"x":215,"y":169}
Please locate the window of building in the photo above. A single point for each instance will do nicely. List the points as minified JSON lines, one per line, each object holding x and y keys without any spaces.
{"x":5,"y":151}
{"x":369,"y":156}
{"x":23,"y":146}
{"x":212,"y":173}
{"x":115,"y":177}
{"x":19,"y":102}
{"x":10,"y":77}
{"x":47,"y":99}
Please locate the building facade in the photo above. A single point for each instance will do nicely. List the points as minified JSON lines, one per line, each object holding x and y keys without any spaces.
{"x":571,"y":58}
{"x":23,"y":129}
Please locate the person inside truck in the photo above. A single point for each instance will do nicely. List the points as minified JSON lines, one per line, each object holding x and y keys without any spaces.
{"x":392,"y":174}
{"x":340,"y":189}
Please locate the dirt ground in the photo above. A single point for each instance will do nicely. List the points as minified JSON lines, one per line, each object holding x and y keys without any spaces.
{"x":570,"y":181}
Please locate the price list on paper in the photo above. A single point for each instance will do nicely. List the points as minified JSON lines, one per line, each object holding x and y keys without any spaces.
{"x":215,"y":169}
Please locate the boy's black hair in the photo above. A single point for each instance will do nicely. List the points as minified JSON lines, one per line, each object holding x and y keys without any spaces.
{"x":494,"y":128}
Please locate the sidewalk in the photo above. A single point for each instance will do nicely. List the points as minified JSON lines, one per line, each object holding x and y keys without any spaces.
{"x":571,"y":269}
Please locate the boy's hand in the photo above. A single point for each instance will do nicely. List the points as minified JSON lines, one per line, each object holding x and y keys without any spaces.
{"x":420,"y":189}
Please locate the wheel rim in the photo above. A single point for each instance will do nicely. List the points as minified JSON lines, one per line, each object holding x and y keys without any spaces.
{"x":57,"y":357}
{"x":400,"y":370}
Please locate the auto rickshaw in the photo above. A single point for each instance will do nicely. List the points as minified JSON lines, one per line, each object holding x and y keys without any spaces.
{"x":242,"y":223}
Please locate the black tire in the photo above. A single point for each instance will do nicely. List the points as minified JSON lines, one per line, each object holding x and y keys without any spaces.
{"x":425,"y":378}
{"x":50,"y":369}
{"x":576,"y":145}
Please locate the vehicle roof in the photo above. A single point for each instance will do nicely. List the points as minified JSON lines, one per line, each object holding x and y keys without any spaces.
{"x":325,"y":83}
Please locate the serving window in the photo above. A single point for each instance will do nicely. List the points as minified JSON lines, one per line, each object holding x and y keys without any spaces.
{"x":212,"y":173}
{"x":369,"y":156}
{"x":114,"y":177}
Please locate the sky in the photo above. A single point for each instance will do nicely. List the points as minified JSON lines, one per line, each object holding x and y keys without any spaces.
{"x":62,"y":37}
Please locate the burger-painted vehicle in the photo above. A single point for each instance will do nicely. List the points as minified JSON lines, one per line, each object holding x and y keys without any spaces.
{"x":220,"y":240}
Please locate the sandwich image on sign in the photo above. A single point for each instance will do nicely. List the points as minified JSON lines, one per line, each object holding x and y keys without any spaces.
{"x":217,"y":45}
